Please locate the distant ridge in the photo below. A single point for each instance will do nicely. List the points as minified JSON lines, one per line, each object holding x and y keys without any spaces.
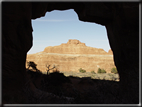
{"x":74,"y":46}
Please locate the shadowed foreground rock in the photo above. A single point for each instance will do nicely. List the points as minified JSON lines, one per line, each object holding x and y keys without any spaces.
{"x":120,"y":19}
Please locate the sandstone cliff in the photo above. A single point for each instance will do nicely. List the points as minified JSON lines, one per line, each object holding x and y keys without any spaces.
{"x":72,"y":56}
{"x":110,"y":52}
{"x":74,"y":47}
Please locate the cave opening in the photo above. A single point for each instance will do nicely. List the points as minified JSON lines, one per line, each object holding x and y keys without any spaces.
{"x":122,"y":36}
{"x":57,"y":28}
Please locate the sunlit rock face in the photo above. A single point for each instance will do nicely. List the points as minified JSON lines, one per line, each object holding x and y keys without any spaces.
{"x":74,"y":47}
{"x":110,"y":52}
{"x":72,"y":56}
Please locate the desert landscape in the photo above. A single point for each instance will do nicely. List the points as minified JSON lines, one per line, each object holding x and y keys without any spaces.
{"x":71,"y":56}
{"x":72,"y":73}
{"x":70,"y":76}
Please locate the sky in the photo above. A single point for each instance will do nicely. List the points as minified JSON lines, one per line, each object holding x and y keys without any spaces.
{"x":57,"y":27}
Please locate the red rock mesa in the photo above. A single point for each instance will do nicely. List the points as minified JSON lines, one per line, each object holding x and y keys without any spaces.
{"x":72,"y":56}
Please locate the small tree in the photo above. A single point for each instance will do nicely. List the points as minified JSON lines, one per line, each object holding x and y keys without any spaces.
{"x":114,"y":70}
{"x":32,"y":64}
{"x":93,"y":72}
{"x":101,"y":70}
{"x":82,"y":70}
{"x":49,"y":69}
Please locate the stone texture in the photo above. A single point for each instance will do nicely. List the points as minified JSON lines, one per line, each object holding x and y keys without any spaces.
{"x":72,"y":56}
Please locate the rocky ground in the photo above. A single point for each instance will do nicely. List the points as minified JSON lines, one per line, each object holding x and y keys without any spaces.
{"x":80,"y":87}
{"x":103,"y":76}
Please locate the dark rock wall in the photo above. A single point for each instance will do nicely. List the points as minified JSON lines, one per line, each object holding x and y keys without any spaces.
{"x":16,"y":41}
{"x":121,"y":21}
{"x":123,"y":34}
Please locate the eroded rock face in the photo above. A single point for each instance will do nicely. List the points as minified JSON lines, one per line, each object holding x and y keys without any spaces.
{"x":72,"y":56}
{"x":74,"y":47}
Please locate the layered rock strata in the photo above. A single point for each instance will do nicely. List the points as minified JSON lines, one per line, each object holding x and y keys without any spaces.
{"x":74,"y":47}
{"x":72,"y":56}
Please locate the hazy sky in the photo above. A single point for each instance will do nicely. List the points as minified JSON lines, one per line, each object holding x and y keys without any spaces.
{"x":59,"y":26}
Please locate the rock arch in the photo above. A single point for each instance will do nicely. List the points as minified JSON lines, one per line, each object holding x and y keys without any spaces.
{"x":120,"y":19}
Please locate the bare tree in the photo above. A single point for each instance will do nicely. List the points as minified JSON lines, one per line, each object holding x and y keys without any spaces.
{"x":49,"y":69}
